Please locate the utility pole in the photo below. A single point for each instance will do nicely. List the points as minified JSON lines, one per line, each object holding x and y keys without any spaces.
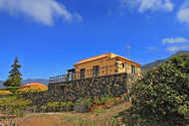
{"x":128,"y":51}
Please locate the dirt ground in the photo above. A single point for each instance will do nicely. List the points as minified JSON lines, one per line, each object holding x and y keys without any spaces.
{"x":73,"y":119}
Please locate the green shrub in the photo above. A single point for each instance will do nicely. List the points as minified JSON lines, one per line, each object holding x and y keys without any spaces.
{"x":13,"y":105}
{"x":96,"y":100}
{"x":31,"y":89}
{"x":86,"y":101}
{"x":163,"y":93}
{"x":83,"y":105}
{"x":5,"y":92}
{"x":105,"y":99}
{"x":99,"y":110}
{"x":12,"y":89}
{"x":57,"y":107}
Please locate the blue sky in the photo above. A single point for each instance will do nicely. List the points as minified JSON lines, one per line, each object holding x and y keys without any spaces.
{"x":49,"y":36}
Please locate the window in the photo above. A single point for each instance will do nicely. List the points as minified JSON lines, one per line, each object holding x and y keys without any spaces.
{"x":95,"y":71}
{"x":82,"y":73}
{"x":123,"y":65}
{"x":116,"y":64}
{"x":133,"y":69}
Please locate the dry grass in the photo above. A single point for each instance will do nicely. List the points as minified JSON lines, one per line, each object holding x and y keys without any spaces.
{"x":75,"y":119}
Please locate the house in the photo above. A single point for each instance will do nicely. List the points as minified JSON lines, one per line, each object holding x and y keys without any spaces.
{"x":103,"y":65}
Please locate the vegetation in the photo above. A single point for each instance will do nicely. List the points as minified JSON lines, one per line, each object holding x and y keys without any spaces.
{"x":103,"y":100}
{"x":99,"y":110}
{"x":5,"y":92}
{"x":161,"y":97}
{"x":88,"y":104}
{"x":57,"y":107}
{"x":14,"y":80}
{"x":12,"y":108}
{"x":106,"y":100}
{"x":83,"y":105}
{"x":31,"y":89}
{"x":13,"y":105}
{"x":99,"y":118}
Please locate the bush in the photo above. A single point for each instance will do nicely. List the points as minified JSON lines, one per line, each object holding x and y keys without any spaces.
{"x":99,"y":110}
{"x":57,"y":107}
{"x":13,"y":105}
{"x":31,"y":89}
{"x":163,"y":93}
{"x":12,"y":89}
{"x":96,"y":100}
{"x":5,"y":92}
{"x":83,"y":105}
{"x":106,"y":99}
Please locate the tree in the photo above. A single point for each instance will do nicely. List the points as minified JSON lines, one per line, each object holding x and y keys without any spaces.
{"x":163,"y":93}
{"x":14,"y":80}
{"x":12,"y":109}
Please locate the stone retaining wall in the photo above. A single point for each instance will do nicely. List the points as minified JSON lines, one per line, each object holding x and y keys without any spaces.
{"x":113,"y":85}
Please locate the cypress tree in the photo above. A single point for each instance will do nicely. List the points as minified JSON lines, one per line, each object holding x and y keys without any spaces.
{"x":15,"y":77}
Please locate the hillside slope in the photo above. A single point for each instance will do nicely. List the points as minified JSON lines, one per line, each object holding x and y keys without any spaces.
{"x":75,"y":119}
{"x":149,"y":66}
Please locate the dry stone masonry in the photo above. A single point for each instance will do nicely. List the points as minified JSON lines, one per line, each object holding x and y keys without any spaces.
{"x":112,"y":85}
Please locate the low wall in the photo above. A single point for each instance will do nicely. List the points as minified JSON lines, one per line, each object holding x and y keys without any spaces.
{"x":113,"y":85}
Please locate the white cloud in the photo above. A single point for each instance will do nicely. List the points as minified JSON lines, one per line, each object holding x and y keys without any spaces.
{"x":183,"y":13}
{"x":174,"y":40}
{"x":42,"y":11}
{"x":177,"y":48}
{"x":149,"y":5}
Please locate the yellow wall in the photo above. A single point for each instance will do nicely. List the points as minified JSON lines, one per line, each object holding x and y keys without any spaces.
{"x":107,"y":66}
{"x":127,"y":67}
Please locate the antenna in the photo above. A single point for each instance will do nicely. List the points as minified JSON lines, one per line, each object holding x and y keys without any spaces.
{"x":128,"y":50}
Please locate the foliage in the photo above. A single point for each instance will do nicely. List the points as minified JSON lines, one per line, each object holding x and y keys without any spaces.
{"x":84,"y":101}
{"x":96,"y":100}
{"x":12,"y":89}
{"x":13,"y":105}
{"x":14,"y":79}
{"x":31,"y":89}
{"x":5,"y":92}
{"x":106,"y":99}
{"x":87,"y":121}
{"x":57,"y":107}
{"x":99,"y":110}
{"x":83,"y":104}
{"x":163,"y":94}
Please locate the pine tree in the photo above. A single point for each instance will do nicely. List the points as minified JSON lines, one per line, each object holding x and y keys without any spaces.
{"x":15,"y":77}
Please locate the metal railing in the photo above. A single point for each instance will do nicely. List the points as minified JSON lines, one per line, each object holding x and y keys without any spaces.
{"x":59,"y":78}
{"x":89,"y":73}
